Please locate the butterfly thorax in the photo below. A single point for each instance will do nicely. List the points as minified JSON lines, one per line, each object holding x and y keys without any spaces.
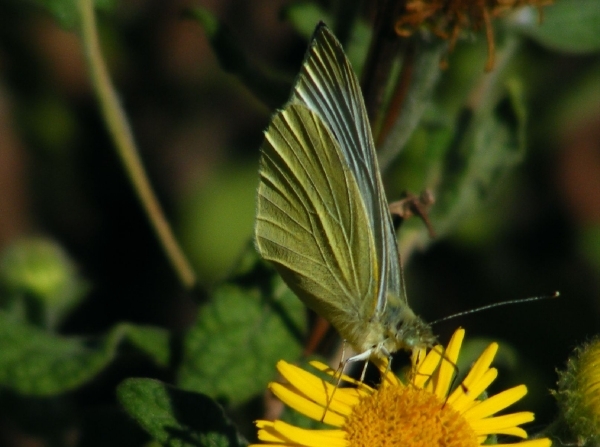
{"x":397,"y":328}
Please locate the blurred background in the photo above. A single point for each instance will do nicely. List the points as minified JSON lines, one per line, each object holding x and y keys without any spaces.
{"x":199,"y":131}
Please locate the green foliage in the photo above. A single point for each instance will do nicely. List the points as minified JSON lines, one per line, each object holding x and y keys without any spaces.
{"x":251,"y":322}
{"x":40,"y":281}
{"x":177,"y":418}
{"x":270,"y":87}
{"x":464,"y":158}
{"x":425,"y":79}
{"x":487,"y":146}
{"x":303,"y":16}
{"x":570,"y":26}
{"x":65,"y":11}
{"x":212,"y":246}
{"x":35,"y":362}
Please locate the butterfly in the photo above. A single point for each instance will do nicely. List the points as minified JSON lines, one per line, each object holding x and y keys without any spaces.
{"x":322,"y":216}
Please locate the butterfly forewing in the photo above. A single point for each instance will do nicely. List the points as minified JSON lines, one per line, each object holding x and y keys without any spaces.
{"x":312,"y":223}
{"x":328,"y":86}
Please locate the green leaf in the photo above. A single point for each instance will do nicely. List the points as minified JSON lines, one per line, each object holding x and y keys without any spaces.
{"x":271,"y":88}
{"x":571,"y":26}
{"x":40,"y":282}
{"x":65,"y":12}
{"x":251,"y":322}
{"x":490,"y":145}
{"x":150,"y":340}
{"x":211,"y":246}
{"x":177,"y":418}
{"x":36,"y":362}
{"x":304,"y":17}
{"x":424,"y":80}
{"x":467,"y":160}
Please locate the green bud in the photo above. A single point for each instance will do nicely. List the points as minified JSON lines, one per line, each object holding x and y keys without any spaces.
{"x":578,"y":393}
{"x":39,"y":280}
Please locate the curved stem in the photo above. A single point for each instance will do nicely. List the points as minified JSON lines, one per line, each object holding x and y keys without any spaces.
{"x":119,"y":129}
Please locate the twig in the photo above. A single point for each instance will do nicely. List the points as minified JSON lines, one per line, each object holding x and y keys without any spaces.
{"x":121,"y":134}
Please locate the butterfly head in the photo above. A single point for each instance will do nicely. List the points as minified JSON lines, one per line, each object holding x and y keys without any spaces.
{"x":411,"y":332}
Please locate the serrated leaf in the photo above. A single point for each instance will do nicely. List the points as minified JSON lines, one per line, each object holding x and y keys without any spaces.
{"x":251,"y":322}
{"x":571,"y":26}
{"x":39,"y":363}
{"x":175,"y":417}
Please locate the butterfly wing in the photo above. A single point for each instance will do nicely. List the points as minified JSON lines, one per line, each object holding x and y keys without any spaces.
{"x":311,"y":220}
{"x":328,"y":86}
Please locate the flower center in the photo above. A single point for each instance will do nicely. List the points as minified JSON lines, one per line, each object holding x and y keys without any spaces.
{"x":408,"y":417}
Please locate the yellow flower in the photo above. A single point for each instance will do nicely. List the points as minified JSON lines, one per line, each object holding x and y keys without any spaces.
{"x":423,"y":412}
{"x":447,"y":18}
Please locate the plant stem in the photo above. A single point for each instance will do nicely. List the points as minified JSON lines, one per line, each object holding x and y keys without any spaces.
{"x":120,"y":131}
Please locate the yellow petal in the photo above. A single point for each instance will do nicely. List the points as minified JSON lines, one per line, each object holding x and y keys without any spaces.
{"x":423,"y":374}
{"x":513,"y":431}
{"x":496,"y":403}
{"x":493,"y":425}
{"x":318,"y":390}
{"x":308,"y":408}
{"x":544,"y":442}
{"x":454,"y":345}
{"x":482,"y":364}
{"x":447,"y":368}
{"x":310,"y":438}
{"x":278,"y":445}
{"x":300,"y":378}
{"x":484,"y":361}
{"x":464,"y":395}
{"x":267,"y":433}
{"x":417,"y":357}
{"x":335,"y":374}
{"x":390,"y":379}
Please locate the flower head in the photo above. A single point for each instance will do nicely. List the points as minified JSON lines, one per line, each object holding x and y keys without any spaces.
{"x":447,"y":18}
{"x":423,"y":411}
{"x":579,"y":393}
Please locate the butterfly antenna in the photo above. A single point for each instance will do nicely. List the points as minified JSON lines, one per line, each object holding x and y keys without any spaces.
{"x":501,"y":303}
